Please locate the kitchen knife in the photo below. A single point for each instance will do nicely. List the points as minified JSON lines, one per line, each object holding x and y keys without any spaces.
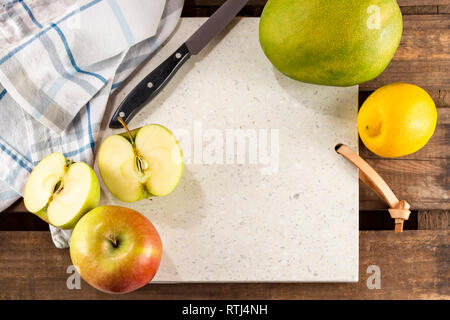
{"x":152,"y":84}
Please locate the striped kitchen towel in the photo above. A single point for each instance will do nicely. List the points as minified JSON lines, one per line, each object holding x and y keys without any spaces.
{"x":59,"y":62}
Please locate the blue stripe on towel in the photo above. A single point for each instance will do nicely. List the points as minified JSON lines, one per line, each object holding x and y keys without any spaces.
{"x":3,"y":93}
{"x":12,"y":175}
{"x":122,"y":21}
{"x":15,"y":158}
{"x":26,"y":43}
{"x":91,"y":137}
{"x":69,"y":53}
{"x":116,"y":85}
{"x":30,"y":14}
{"x":76,"y":152}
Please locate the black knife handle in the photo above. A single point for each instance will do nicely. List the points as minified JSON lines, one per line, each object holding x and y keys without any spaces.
{"x":148,"y":88}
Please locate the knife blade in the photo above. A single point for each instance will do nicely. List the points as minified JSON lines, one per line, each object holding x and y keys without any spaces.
{"x":154,"y":82}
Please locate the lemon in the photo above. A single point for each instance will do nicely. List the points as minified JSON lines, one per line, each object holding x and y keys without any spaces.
{"x":397,"y":119}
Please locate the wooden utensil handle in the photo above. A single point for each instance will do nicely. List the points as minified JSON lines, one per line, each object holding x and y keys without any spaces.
{"x":399,"y":209}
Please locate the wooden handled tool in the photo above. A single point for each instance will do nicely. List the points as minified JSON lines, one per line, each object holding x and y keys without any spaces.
{"x":399,"y":209}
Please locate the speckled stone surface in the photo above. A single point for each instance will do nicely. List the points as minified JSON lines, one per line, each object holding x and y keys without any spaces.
{"x":254,"y":221}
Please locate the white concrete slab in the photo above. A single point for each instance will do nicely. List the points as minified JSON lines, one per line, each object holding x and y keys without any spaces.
{"x":284,"y":209}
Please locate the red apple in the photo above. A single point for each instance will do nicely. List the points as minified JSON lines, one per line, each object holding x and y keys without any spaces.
{"x":115,"y":249}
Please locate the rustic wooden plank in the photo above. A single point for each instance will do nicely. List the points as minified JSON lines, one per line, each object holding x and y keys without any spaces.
{"x":423,"y":183}
{"x":444,"y":9}
{"x":426,"y":22}
{"x":368,"y":220}
{"x":422,"y":2}
{"x":434,"y":220}
{"x":256,"y":11}
{"x":420,"y":10}
{"x":427,"y":74}
{"x":263,"y":2}
{"x":441,"y":97}
{"x":413,"y":265}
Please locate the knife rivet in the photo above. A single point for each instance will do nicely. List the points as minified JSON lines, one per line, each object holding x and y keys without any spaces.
{"x":150,"y":84}
{"x":178,"y":55}
{"x":122,"y":114}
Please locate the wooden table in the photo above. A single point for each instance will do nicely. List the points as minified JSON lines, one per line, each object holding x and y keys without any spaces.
{"x":413,"y":265}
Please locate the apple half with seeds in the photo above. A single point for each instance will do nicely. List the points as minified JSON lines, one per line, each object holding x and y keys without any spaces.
{"x":61,"y":191}
{"x":141,"y":163}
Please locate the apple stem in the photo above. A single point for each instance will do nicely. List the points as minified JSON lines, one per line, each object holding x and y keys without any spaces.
{"x":122,"y":122}
{"x":113,"y":240}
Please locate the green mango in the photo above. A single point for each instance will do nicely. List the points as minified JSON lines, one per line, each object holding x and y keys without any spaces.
{"x":331,"y":42}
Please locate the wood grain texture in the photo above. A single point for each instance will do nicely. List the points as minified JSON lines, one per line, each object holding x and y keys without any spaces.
{"x":434,"y":220}
{"x":423,"y":2}
{"x":423,"y":183}
{"x":414,"y":265}
{"x":258,"y":3}
{"x":368,"y":220}
{"x":204,"y":8}
{"x":420,"y":10}
{"x":256,"y":11}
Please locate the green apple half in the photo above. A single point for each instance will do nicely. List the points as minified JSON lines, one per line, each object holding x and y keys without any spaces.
{"x":139,"y":164}
{"x":60,"y":191}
